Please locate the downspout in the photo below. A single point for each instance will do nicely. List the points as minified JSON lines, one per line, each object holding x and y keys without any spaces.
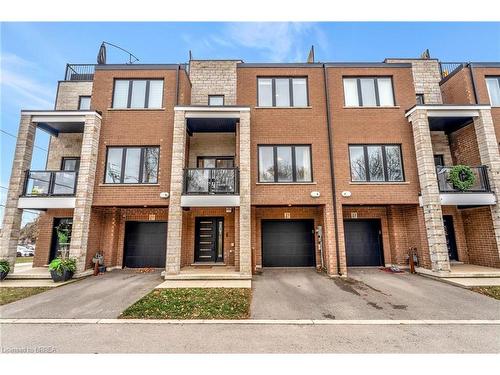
{"x":473,"y":82}
{"x":332,"y":168}
{"x":177,"y":84}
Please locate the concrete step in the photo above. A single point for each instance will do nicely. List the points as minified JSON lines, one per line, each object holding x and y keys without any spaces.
{"x":175,"y":284}
{"x":208,"y":276}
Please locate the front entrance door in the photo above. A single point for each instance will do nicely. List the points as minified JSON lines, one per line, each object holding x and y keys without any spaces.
{"x":61,"y":230}
{"x":209,"y":239}
{"x":449,"y":231}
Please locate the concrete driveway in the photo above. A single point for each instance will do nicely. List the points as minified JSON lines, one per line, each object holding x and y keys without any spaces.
{"x":368,"y":293}
{"x":104,"y":296}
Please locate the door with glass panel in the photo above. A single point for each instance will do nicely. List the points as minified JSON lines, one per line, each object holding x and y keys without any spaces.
{"x":209,"y":239}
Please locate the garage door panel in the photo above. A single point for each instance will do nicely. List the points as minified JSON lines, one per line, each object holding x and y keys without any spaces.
{"x":145,"y":244}
{"x":288,"y":243}
{"x":362,"y":243}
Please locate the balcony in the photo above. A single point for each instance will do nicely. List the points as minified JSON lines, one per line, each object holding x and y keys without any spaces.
{"x":49,"y":189}
{"x":79,"y":72}
{"x":478,"y":194}
{"x":207,"y":187}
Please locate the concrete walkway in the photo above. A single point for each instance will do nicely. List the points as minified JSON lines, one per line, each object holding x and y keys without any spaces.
{"x":104,"y":296}
{"x":368,"y":294}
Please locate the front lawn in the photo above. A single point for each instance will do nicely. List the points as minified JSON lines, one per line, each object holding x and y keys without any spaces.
{"x":8,"y":295}
{"x":24,"y":259}
{"x":192,"y":303}
{"x":490,"y":291}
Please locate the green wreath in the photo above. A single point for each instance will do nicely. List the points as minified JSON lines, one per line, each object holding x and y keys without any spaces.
{"x":462,"y":177}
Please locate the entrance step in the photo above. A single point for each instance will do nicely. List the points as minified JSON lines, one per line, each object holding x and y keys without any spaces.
{"x":462,"y":271}
{"x":167,"y":284}
{"x":208,"y":276}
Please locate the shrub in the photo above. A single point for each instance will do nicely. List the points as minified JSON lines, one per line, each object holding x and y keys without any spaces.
{"x":4,"y":266}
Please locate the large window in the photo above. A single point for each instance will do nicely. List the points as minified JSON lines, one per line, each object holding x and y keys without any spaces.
{"x":368,"y":92}
{"x":137,"y":93}
{"x":374,"y":163}
{"x":493,"y":84}
{"x":282,"y":163}
{"x":132,"y":165}
{"x":282,"y":92}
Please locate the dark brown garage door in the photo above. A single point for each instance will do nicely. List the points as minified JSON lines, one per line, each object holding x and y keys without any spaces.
{"x":145,"y":244}
{"x":363,"y":243}
{"x":288,"y":243}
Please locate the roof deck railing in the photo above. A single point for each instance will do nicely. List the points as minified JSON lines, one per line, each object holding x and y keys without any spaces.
{"x":79,"y":72}
{"x":447,"y":68}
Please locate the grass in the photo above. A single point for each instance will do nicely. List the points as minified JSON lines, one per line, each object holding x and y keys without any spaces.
{"x":8,"y":295}
{"x":192,"y":303}
{"x":24,"y":259}
{"x":490,"y":291}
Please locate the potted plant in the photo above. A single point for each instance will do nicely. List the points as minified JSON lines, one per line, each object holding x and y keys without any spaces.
{"x":62,"y":268}
{"x":63,"y":239}
{"x":4,"y":268}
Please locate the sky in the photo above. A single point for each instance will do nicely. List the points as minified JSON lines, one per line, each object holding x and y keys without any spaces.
{"x":33,"y":56}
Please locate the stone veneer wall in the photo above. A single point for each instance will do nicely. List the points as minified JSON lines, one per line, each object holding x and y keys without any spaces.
{"x":213,"y":78}
{"x":426,"y":77}
{"x":210,"y":144}
{"x":64,"y":145}
{"x":69,"y":92}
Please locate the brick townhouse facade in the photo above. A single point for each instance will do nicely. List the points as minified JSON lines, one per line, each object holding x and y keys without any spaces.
{"x":220,"y":168}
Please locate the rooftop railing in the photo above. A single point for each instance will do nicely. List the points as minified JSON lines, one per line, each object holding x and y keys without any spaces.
{"x":79,"y":72}
{"x":447,"y":68}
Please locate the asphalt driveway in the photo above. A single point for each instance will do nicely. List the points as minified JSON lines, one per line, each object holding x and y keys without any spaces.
{"x":104,"y":296}
{"x":368,"y":293}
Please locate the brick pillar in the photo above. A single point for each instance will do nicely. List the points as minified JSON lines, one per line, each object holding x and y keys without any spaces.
{"x":431,"y":203}
{"x":245,"y":199}
{"x":329,"y":245}
{"x":85,"y":191}
{"x":488,"y":151}
{"x":12,"y":215}
{"x":174,"y":237}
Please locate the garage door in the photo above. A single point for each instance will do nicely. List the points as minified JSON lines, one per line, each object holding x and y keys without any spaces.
{"x":362,"y":242}
{"x":145,"y":244}
{"x":288,"y":243}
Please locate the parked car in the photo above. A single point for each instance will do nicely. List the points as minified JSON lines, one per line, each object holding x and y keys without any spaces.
{"x":24,"y":251}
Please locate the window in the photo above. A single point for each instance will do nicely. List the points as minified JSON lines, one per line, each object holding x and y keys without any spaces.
{"x":215,"y":99}
{"x":283,"y":163}
{"x":493,"y":84}
{"x":420,"y":99}
{"x":84,"y":103}
{"x":282,"y":92}
{"x":138,"y":93}
{"x":70,"y":164}
{"x":132,"y":165}
{"x":368,"y":92}
{"x":376,"y":163}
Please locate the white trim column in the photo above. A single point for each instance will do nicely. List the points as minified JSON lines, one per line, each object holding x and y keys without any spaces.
{"x":489,"y":154}
{"x":174,"y":236}
{"x":436,"y":238}
{"x":12,"y":215}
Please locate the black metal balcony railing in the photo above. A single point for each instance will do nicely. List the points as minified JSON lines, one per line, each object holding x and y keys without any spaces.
{"x":446,"y":68}
{"x":79,"y":72}
{"x":481,"y":184}
{"x":50,"y":183}
{"x":211,"y":181}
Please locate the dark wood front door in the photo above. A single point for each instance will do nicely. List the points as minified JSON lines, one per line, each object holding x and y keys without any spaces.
{"x":451,"y":242}
{"x":209,"y":239}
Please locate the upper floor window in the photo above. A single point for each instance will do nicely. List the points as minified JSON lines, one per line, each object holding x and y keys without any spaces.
{"x":282,"y":92}
{"x":138,"y":93}
{"x":215,"y":100}
{"x":420,"y":99}
{"x":84,"y":103}
{"x":282,"y":163}
{"x":493,"y":84}
{"x":374,"y":163}
{"x":368,"y":92}
{"x":132,"y":165}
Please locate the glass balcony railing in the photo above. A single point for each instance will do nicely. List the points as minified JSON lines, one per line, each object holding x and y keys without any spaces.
{"x":481,"y":181}
{"x":211,"y":181}
{"x":50,"y":183}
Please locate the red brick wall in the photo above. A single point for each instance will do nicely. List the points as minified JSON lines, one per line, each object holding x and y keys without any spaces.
{"x":464,"y":147}
{"x":481,"y":242}
{"x":45,"y":231}
{"x":458,"y":89}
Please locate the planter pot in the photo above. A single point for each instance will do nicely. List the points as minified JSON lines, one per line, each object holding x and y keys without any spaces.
{"x":65,"y":276}
{"x":102,"y":269}
{"x":3,"y":275}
